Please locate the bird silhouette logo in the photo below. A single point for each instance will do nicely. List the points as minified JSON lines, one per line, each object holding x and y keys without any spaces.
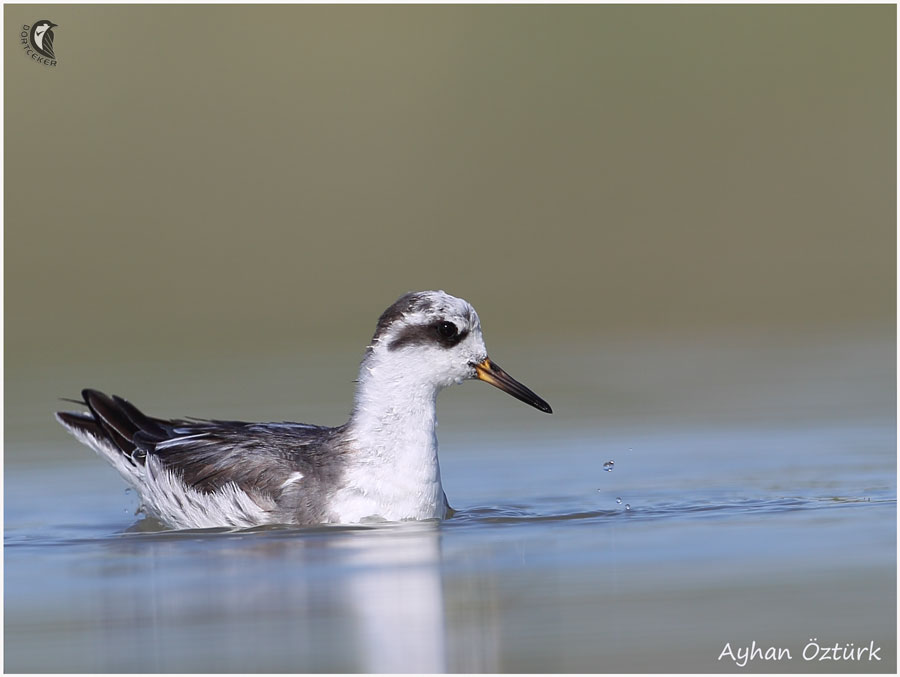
{"x":42,"y":38}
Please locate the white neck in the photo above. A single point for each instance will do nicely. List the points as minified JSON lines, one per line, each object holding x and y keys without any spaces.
{"x":393,"y":470}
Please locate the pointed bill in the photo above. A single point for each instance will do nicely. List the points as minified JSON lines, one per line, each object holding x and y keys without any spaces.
{"x":490,"y":372}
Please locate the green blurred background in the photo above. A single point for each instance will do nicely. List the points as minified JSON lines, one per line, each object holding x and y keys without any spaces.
{"x":200,"y":180}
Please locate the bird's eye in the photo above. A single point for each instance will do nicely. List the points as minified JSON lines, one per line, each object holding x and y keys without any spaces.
{"x":447,"y":330}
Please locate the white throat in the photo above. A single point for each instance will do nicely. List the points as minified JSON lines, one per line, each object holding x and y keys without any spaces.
{"x":393,"y":471}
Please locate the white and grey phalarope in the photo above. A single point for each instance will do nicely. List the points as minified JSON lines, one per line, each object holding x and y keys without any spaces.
{"x":380,"y":465}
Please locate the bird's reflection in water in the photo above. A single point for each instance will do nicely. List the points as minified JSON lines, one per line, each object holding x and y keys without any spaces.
{"x":395,"y":594}
{"x":325,"y":599}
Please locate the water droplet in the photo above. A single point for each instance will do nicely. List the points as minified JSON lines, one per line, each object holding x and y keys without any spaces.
{"x":628,"y":506}
{"x":609,"y":465}
{"x":618,"y":500}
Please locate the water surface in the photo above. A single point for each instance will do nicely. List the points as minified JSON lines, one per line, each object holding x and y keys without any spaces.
{"x":760,"y":508}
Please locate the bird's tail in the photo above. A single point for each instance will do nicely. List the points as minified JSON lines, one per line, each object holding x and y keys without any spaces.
{"x":110,"y":427}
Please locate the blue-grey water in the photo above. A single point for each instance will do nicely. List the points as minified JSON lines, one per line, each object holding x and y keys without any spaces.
{"x":752,"y":498}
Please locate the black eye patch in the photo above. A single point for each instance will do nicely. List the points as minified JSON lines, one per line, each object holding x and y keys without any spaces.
{"x":444,"y":333}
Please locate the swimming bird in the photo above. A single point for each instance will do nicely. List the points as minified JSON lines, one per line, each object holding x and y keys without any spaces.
{"x":382,"y":465}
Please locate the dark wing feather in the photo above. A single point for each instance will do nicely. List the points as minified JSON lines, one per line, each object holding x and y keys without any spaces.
{"x":207,"y":454}
{"x":115,"y":423}
{"x":83,"y":422}
{"x":257,"y":457}
{"x":144,"y":423}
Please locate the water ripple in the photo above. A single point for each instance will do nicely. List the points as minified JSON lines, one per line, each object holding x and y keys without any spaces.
{"x":150,"y":530}
{"x":663,"y":510}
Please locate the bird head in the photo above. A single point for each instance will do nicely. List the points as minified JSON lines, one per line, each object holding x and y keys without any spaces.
{"x":434,"y":339}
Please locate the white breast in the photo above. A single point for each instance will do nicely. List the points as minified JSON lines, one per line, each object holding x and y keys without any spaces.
{"x":395,"y":476}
